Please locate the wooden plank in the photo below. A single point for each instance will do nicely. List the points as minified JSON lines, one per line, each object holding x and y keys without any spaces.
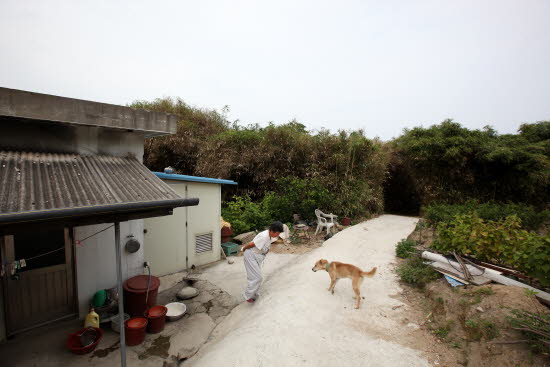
{"x":454,"y":276}
{"x":476,"y":279}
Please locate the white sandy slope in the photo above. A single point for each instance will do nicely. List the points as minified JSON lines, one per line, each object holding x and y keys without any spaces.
{"x":297,"y":322}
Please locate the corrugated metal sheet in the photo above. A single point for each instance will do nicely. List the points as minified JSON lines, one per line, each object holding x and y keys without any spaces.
{"x":46,"y":181}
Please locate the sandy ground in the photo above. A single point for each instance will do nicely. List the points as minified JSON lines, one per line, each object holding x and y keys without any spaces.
{"x":298,"y":322}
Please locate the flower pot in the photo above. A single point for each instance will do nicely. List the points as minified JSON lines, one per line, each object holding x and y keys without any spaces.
{"x":346,"y":221}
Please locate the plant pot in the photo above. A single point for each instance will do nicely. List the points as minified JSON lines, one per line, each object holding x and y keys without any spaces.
{"x":346,"y":221}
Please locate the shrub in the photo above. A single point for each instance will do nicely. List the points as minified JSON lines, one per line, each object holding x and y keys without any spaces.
{"x":415,"y":272}
{"x":298,"y":196}
{"x":503,"y":242}
{"x":450,"y":163}
{"x":534,"y":326}
{"x":531,"y":218}
{"x":246,"y":215}
{"x":405,"y":248}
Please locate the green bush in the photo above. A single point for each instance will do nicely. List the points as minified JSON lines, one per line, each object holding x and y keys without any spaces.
{"x":503,"y":242}
{"x":405,"y":248}
{"x":530,"y":217}
{"x":246,"y":215}
{"x":450,"y":163}
{"x":415,"y":272}
{"x":298,"y":196}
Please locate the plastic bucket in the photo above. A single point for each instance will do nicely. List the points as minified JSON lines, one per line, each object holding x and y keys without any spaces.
{"x":135,"y":294}
{"x":156,"y":316}
{"x":115,"y":324}
{"x":135,"y":330}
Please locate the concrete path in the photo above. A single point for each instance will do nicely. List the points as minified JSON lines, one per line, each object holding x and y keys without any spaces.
{"x":297,"y":322}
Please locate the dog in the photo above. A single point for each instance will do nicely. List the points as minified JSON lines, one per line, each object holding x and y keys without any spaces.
{"x":338,"y":270}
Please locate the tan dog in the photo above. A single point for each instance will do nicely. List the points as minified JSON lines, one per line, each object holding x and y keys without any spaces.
{"x":338,"y":270}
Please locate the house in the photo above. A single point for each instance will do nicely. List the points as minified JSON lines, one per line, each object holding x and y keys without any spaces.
{"x":73,"y":192}
{"x":191,"y":236}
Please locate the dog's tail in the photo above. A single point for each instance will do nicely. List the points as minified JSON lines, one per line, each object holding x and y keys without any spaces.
{"x":369,"y":273}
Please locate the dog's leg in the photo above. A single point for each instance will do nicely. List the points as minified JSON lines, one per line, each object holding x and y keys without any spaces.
{"x":356,"y":283}
{"x":332,"y":283}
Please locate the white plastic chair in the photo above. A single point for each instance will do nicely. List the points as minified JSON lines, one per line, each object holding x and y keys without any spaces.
{"x":322,"y":221}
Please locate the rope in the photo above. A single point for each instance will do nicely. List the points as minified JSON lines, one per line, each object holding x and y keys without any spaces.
{"x":62,"y":248}
{"x":98,"y":232}
{"x":46,"y":253}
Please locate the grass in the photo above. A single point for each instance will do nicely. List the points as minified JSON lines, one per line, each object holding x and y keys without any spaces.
{"x":479,"y":328}
{"x":443,"y":331}
{"x":414,"y":272}
{"x":474,"y":297}
{"x":405,"y":248}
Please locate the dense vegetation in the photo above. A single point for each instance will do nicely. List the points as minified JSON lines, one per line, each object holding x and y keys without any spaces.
{"x":281,"y":169}
{"x":531,"y":217}
{"x":286,"y":169}
{"x":502,"y":241}
{"x":452,"y":164}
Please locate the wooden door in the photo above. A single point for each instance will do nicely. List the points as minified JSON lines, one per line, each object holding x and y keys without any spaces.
{"x":43,"y":290}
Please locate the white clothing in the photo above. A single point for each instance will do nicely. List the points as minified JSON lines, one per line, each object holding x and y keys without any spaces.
{"x":253,"y":259}
{"x":262,"y":241}
{"x":253,"y":265}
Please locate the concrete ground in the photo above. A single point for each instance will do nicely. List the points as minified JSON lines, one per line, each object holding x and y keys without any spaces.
{"x":297,"y":321}
{"x":219,"y":285}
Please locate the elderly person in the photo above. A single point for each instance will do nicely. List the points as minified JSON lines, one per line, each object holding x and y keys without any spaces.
{"x":254,"y":255}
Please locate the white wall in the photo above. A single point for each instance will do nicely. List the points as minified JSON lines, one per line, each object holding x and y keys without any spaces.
{"x":168,"y":242}
{"x":166,"y":238}
{"x":204,"y":218}
{"x":96,"y":259}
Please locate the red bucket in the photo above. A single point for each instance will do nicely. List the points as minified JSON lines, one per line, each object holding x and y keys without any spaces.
{"x":157,"y":318}
{"x":135,"y":330}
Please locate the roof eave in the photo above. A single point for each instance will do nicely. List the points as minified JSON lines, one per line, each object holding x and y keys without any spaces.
{"x":121,"y":209}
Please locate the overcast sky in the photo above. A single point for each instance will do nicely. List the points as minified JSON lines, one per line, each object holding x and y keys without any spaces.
{"x":379,"y":65}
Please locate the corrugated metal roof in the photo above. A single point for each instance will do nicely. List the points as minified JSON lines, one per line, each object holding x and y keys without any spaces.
{"x":174,"y":176}
{"x":34,"y":182}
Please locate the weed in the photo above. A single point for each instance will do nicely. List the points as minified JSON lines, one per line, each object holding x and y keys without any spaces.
{"x":414,"y":272}
{"x":535,"y":327}
{"x":405,"y":248}
{"x":455,"y":344}
{"x":484,"y":291}
{"x":477,"y":329}
{"x":443,"y":331}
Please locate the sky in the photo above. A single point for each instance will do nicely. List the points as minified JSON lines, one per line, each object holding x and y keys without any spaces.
{"x":381,"y":66}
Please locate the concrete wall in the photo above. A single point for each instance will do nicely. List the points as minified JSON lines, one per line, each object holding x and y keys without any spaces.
{"x":168,"y":241}
{"x":166,"y":238}
{"x":204,"y":218}
{"x":96,"y":259}
{"x":58,"y":138}
{"x":22,"y":104}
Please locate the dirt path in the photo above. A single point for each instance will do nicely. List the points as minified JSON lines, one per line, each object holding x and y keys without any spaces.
{"x":298,"y":322}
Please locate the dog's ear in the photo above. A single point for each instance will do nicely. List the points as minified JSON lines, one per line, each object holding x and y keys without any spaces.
{"x":323,"y":261}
